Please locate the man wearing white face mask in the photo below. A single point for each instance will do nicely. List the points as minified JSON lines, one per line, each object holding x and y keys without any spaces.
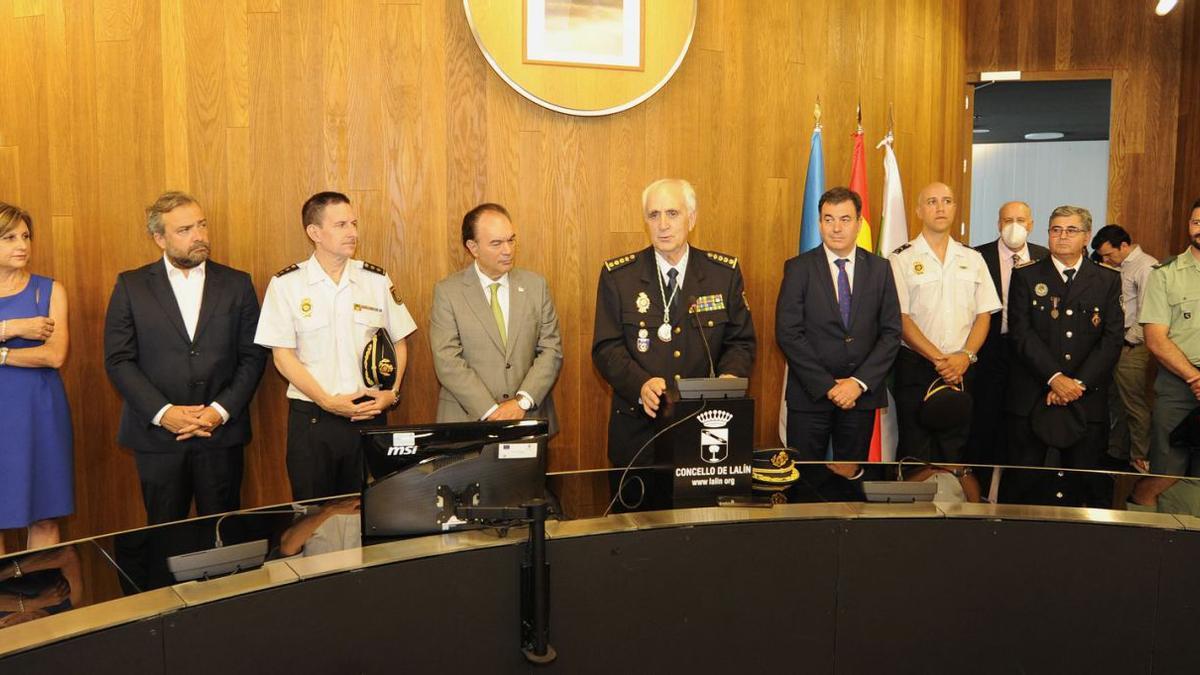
{"x":988,"y":439}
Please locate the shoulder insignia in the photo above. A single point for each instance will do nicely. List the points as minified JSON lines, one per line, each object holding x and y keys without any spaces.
{"x":726,"y":260}
{"x":619,"y":262}
{"x":902,"y":248}
{"x":370,"y":267}
{"x":1027,"y":263}
{"x":287,"y":270}
{"x":1165,"y":262}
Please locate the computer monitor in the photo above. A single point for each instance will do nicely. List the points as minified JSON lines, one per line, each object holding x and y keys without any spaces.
{"x":404,"y":466}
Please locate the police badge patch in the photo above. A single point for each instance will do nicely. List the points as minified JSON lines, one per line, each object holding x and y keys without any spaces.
{"x":642,"y":302}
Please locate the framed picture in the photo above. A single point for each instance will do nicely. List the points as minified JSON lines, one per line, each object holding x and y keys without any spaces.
{"x":585,"y":33}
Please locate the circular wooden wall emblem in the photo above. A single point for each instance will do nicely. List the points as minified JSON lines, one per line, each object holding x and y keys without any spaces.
{"x":583,"y":57}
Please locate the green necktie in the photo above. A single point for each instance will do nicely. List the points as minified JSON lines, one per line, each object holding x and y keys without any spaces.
{"x":496,"y":312}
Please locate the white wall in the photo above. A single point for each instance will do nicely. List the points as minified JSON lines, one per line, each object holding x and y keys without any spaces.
{"x":1045,"y":175}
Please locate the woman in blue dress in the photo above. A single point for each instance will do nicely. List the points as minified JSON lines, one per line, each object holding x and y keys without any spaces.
{"x":36,"y":464}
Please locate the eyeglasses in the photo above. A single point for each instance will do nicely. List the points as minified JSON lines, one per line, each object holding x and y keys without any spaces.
{"x":1059,"y":231}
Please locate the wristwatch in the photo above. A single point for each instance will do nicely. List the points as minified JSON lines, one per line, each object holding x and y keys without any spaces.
{"x":524,"y":402}
{"x":970,"y":356}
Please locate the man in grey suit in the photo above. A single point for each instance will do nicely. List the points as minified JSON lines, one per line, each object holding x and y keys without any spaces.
{"x":494,"y":330}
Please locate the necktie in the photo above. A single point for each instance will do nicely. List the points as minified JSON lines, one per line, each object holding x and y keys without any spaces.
{"x":498,"y":313}
{"x":1070,"y":273}
{"x":843,"y":291}
{"x":1016,"y":259}
{"x":672,"y":278}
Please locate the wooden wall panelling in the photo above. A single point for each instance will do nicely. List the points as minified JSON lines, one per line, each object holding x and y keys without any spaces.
{"x":253,"y":106}
{"x":1141,"y":49}
{"x":1187,"y":166}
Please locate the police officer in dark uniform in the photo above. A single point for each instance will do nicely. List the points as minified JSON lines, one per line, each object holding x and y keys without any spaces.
{"x":1067,"y":327}
{"x":654,"y":309}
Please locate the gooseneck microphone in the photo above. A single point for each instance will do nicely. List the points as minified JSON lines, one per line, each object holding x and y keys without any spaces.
{"x":703,"y":338}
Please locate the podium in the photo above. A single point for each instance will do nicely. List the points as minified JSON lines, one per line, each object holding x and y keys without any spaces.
{"x":710,"y":451}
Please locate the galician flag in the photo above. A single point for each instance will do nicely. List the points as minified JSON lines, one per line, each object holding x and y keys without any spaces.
{"x":893,"y":233}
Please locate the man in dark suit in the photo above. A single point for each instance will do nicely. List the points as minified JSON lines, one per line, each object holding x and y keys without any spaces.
{"x":1066,"y":327}
{"x":651,"y":307}
{"x":179,"y":347}
{"x":838,"y":324}
{"x":988,"y":439}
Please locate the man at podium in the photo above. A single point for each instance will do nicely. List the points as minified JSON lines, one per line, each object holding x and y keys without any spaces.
{"x":655,"y":310}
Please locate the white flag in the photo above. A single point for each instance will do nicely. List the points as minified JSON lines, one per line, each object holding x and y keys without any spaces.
{"x":893,"y":233}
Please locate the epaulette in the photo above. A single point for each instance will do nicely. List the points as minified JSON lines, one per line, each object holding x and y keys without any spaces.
{"x":902,"y":248}
{"x":619,"y":262}
{"x":287,"y":270}
{"x":1026,"y":263}
{"x":1109,"y":267}
{"x":1166,"y":262}
{"x":370,"y":267}
{"x":726,"y":260}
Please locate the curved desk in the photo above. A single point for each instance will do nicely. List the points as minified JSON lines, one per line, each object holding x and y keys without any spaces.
{"x":819,"y":588}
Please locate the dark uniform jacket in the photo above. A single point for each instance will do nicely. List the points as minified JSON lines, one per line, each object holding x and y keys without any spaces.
{"x":819,"y":349}
{"x":629,"y":301}
{"x":1078,"y":331}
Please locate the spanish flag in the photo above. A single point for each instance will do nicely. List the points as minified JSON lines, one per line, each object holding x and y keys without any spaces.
{"x":858,"y":183}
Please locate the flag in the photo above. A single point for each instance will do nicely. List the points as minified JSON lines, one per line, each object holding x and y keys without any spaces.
{"x":893,"y":233}
{"x":858,"y":184}
{"x":810,"y":235}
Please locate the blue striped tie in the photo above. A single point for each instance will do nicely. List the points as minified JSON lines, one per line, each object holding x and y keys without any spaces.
{"x":843,"y":291}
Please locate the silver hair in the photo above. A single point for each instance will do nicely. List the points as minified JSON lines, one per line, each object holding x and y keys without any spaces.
{"x":689,"y":192}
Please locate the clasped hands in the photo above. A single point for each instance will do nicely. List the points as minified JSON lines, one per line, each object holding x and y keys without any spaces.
{"x":1063,"y":390}
{"x":952,"y":367}
{"x":191,"y":421}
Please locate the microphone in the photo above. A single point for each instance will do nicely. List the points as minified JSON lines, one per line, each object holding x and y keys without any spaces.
{"x":703,"y":338}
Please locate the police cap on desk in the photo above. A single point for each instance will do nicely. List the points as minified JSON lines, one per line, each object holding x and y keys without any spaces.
{"x":945,"y":406}
{"x":379,"y":361}
{"x":1059,"y":426}
{"x":1187,"y":433}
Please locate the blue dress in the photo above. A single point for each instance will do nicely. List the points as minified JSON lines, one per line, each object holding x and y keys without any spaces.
{"x":37,"y":474}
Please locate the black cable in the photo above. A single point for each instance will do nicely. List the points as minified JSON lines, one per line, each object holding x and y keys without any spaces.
{"x":621,"y":480}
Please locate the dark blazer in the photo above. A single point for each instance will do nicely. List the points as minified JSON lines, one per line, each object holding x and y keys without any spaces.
{"x":819,"y":349}
{"x":991,"y":256}
{"x":151,"y":362}
{"x":1083,"y":341}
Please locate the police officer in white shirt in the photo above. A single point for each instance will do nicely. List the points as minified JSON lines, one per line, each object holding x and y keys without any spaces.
{"x":946,"y":298}
{"x":317,"y":317}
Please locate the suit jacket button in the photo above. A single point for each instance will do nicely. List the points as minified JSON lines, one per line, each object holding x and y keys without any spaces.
{"x":506,"y":396}
{"x":677,"y":376}
{"x":849,"y":339}
{"x":1067,"y":357}
{"x":507,"y":366}
{"x":194,"y":353}
{"x":676,"y":353}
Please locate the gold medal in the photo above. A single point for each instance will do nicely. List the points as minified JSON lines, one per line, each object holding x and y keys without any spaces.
{"x":306,"y":308}
{"x":1096,"y":318}
{"x":642,"y":302}
{"x":918,"y":267}
{"x":1054,"y":308}
{"x":1041,"y":290}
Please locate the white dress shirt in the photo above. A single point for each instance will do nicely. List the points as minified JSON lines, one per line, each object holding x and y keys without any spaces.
{"x":664,"y":266}
{"x":833,"y":271}
{"x":833,"y":268}
{"x":189,"y":293}
{"x":1135,"y":273}
{"x":1006,"y":267}
{"x":502,"y":296}
{"x":328,"y":323}
{"x":943,"y":297}
{"x":1062,"y":269}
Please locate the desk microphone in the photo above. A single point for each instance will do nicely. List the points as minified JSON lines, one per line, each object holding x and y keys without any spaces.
{"x":703,"y":338}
